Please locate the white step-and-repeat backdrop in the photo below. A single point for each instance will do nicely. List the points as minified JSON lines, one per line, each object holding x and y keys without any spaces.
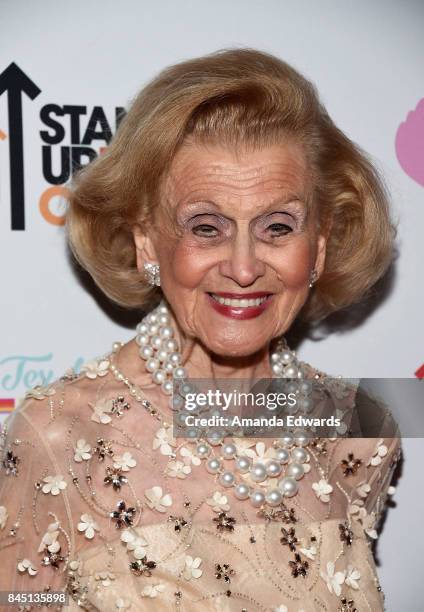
{"x":66,"y":71}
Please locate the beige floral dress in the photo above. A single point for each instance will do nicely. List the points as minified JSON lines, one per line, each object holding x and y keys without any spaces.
{"x":99,"y":501}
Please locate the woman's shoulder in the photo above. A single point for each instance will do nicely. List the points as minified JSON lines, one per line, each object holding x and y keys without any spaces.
{"x":362,"y":415}
{"x":72,"y":395}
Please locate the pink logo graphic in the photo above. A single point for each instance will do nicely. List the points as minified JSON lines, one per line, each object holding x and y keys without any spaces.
{"x":409,"y":144}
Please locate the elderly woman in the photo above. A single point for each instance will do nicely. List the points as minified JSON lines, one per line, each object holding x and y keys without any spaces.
{"x":227,"y":205}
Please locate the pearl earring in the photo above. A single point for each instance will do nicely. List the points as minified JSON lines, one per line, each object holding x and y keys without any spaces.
{"x":313,"y":277}
{"x":152,"y":274}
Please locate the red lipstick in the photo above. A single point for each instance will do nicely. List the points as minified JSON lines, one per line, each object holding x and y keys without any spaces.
{"x":240,"y":312}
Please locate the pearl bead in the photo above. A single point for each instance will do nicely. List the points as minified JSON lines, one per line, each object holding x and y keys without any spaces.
{"x":152,"y":317}
{"x":162,"y":355}
{"x":274,"y":497}
{"x":203,"y":450}
{"x":277,"y":368}
{"x":227,"y":479}
{"x":152,"y":364}
{"x":176,"y":402}
{"x":163,"y":319}
{"x":142,"y":340}
{"x":146,"y":352}
{"x":291,"y":372}
{"x":166,"y":333}
{"x":156,"y":342}
{"x":242,"y":491}
{"x":306,"y":404}
{"x":299,"y":455}
{"x":186,"y":388}
{"x":295,"y":470}
{"x":153,"y":329}
{"x":288,"y":486}
{"x":215,"y":438}
{"x":258,"y":472}
{"x":170,"y":345}
{"x":192,"y":433}
{"x":275,"y":358}
{"x":213,"y":465}
{"x":142,"y":328}
{"x":168,"y":367}
{"x":174,"y":358}
{"x":273,"y":468}
{"x":163,"y":309}
{"x":180,"y":372}
{"x":306,"y":387}
{"x":181,"y":420}
{"x":301,"y":438}
{"x":282,"y":455}
{"x":257,"y":498}
{"x":286,"y":357}
{"x":243,"y":464}
{"x":228,"y":450}
{"x":159,"y":377}
{"x":287,"y":440}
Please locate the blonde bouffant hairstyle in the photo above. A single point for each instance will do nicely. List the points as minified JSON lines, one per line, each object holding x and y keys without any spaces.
{"x":237,"y":97}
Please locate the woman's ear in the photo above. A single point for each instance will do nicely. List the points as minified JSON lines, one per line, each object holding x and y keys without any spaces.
{"x":145,"y":249}
{"x":321,"y":252}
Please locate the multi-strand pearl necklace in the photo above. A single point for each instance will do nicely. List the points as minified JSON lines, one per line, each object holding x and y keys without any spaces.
{"x":289,"y":460}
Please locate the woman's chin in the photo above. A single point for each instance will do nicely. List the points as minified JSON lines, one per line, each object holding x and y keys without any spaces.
{"x":234,"y":349}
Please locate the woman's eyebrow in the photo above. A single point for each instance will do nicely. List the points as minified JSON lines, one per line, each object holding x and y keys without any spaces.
{"x":293,"y":201}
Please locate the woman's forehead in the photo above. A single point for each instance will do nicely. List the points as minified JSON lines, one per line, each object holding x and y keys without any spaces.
{"x":198,"y":170}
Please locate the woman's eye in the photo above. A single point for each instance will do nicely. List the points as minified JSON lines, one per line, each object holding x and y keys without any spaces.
{"x":205,"y":230}
{"x":279,"y":229}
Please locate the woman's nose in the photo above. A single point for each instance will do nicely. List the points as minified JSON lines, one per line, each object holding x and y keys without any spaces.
{"x":242,"y":264}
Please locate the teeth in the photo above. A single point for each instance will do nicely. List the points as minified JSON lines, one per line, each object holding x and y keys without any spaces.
{"x":243,"y":303}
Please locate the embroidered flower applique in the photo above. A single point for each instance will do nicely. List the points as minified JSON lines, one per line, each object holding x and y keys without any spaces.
{"x":189,"y":457}
{"x":178,"y":469}
{"x":105,"y":577}
{"x":136,"y":544}
{"x":49,"y":539}
{"x":333,"y":579}
{"x":219,"y":502}
{"x":156,"y":500}
{"x":88,"y":526}
{"x":352,"y":577}
{"x":309,"y":551}
{"x":102,"y":411}
{"x":124,"y":462}
{"x":164,"y":441}
{"x":54,"y":484}
{"x":379,"y":452}
{"x":363,"y":489}
{"x":322,"y":490}
{"x":26,"y":566}
{"x":152,"y":590}
{"x":82,"y":451}
{"x":40,"y":392}
{"x":3,"y":517}
{"x":95,"y":368}
{"x":192,"y":567}
{"x":122,"y":604}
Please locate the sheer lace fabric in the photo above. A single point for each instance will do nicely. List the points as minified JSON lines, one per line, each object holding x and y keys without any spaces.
{"x":98,"y":500}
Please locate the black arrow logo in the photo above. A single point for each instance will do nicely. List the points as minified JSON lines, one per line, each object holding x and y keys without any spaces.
{"x":15,"y":82}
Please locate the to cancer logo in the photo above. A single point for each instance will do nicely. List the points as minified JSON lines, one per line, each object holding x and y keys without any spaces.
{"x":409,"y":144}
{"x":71,"y":136}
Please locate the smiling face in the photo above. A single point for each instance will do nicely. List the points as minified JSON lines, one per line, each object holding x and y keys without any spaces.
{"x":234,"y":226}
